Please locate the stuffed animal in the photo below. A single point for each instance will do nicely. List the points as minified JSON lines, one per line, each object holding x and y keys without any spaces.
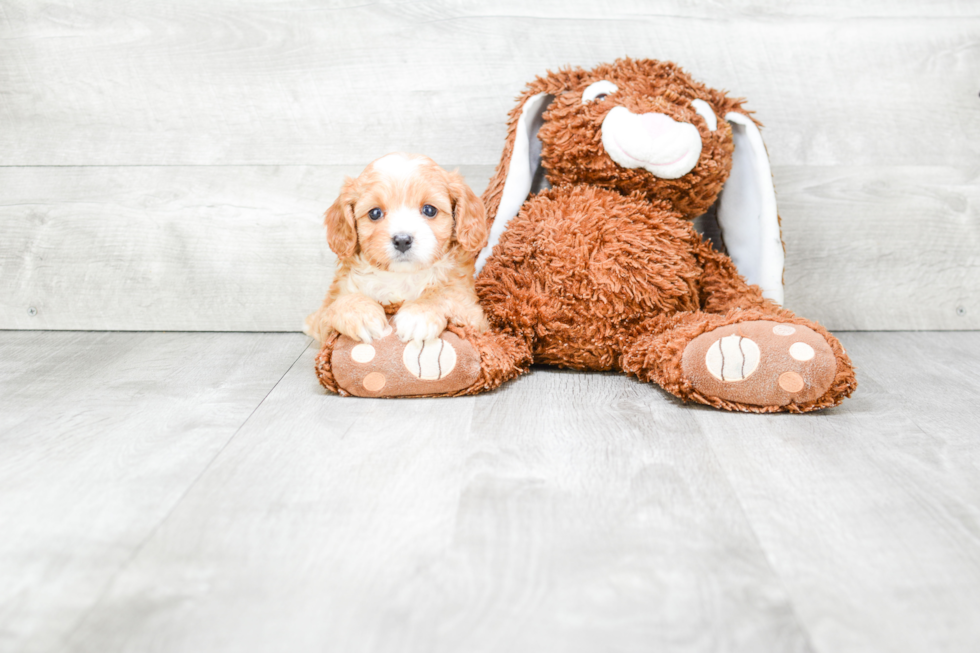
{"x":593,"y":261}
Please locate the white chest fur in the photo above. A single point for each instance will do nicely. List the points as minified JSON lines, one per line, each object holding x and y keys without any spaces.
{"x":390,"y":287}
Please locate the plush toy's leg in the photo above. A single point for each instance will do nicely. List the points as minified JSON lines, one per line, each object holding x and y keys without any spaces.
{"x":459,"y":362}
{"x":741,"y":351}
{"x":748,"y":360}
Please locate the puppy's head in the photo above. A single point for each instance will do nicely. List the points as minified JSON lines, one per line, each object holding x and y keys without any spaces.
{"x":403,"y":213}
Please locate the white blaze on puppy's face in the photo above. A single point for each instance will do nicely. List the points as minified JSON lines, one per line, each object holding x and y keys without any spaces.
{"x":397,"y":165}
{"x":404,"y":213}
{"x":409,"y":221}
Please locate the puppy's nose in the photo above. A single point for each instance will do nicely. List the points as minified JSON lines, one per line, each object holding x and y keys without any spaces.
{"x":402,"y":242}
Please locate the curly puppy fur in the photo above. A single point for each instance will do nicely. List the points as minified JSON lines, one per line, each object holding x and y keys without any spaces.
{"x":406,"y":234}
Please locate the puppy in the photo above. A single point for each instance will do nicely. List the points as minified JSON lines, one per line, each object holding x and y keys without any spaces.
{"x":405,"y":232}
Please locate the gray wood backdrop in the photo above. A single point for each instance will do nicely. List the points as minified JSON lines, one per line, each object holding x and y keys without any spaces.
{"x":164,"y":165}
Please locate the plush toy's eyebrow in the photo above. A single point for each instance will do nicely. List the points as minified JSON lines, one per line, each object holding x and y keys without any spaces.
{"x":602,"y":87}
{"x":704,"y":110}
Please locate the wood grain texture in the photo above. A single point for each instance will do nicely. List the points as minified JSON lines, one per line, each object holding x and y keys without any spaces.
{"x":100,"y":437}
{"x":882,"y":248}
{"x":225,"y":82}
{"x":870,"y":512}
{"x":568,"y":512}
{"x":243,"y":248}
{"x":936,"y":377}
{"x":565,"y":511}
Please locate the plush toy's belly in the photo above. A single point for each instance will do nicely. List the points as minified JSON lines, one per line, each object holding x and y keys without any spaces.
{"x":579,"y":267}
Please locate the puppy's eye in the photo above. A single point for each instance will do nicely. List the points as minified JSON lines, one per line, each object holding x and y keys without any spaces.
{"x":429,"y":211}
{"x":601,"y":96}
{"x":376,"y":214}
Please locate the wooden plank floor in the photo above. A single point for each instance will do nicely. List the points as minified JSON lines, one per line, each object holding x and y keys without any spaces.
{"x":199,"y":492}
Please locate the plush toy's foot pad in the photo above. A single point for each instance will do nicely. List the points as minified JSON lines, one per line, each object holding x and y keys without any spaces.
{"x":389,"y":367}
{"x":760,"y":363}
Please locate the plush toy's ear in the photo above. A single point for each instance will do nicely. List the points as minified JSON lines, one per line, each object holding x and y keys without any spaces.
{"x":747,"y":211}
{"x":339,"y":218}
{"x":517,"y":173}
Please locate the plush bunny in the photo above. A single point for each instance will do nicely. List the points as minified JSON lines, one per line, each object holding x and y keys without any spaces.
{"x":593,"y":262}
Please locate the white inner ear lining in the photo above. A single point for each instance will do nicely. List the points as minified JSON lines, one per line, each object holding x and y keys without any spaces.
{"x":520,"y":171}
{"x":747,"y":211}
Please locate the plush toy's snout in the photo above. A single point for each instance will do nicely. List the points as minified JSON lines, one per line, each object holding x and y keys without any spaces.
{"x":652,"y":141}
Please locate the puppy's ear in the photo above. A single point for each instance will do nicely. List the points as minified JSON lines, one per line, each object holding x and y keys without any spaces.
{"x":469,"y":213}
{"x":339,"y":218}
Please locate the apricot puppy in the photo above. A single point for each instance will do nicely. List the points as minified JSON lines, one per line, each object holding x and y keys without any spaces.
{"x":406,"y":234}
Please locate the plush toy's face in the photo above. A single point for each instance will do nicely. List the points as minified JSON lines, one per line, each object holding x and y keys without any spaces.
{"x":639,"y":126}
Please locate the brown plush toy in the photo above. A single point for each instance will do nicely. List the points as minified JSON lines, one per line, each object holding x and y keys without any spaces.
{"x":593,"y":262}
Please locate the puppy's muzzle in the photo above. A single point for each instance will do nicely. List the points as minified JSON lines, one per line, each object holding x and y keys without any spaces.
{"x":402,"y":242}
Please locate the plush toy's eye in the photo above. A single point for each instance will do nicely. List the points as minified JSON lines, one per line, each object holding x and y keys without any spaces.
{"x":429,"y":211}
{"x":598,"y":91}
{"x":703,"y":109}
{"x":376,"y":214}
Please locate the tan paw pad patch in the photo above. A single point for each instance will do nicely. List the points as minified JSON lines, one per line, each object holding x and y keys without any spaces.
{"x":374,"y":381}
{"x":791,"y":382}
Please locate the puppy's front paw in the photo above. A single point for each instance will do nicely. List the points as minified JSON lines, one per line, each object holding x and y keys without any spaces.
{"x":419,"y":324}
{"x":360,"y":320}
